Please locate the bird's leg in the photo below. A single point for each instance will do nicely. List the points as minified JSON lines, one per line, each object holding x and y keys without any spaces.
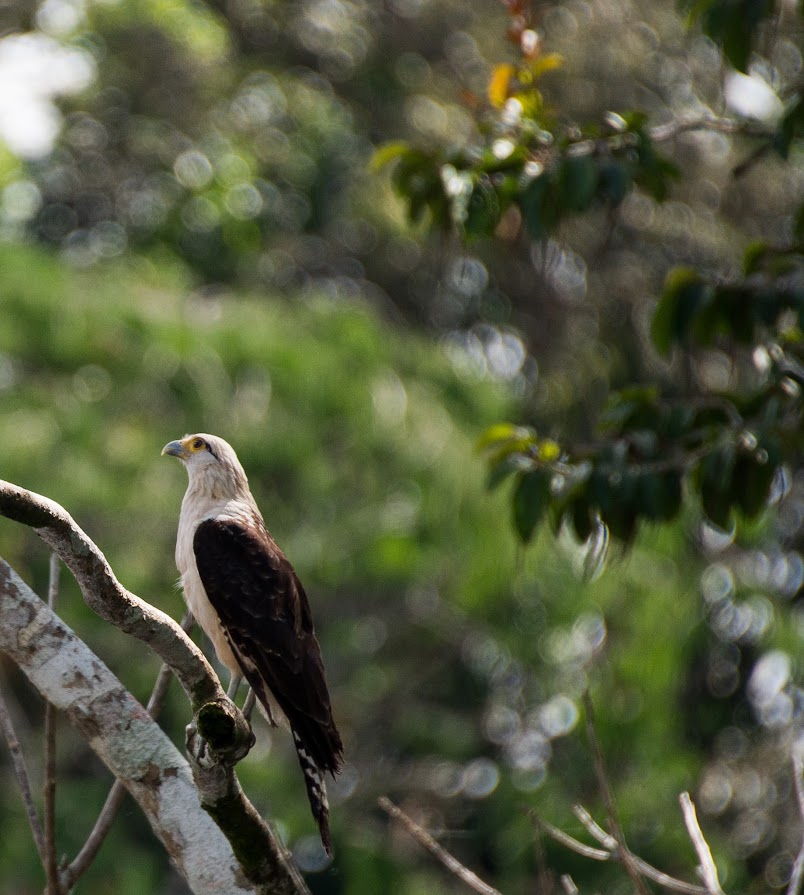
{"x":248,"y":705}
{"x":234,"y":684}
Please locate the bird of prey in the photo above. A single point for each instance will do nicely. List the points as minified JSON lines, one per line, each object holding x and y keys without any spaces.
{"x":250,"y":603}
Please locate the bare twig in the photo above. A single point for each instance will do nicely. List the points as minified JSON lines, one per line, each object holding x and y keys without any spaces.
{"x":587,"y":851}
{"x":707,"y":867}
{"x":23,"y":780}
{"x":612,"y":852}
{"x":545,"y":882}
{"x":51,"y":862}
{"x":426,"y":840}
{"x":608,"y":797}
{"x":721,"y":125}
{"x":594,"y":829}
{"x":82,"y":861}
{"x":794,"y":886}
{"x":569,"y":884}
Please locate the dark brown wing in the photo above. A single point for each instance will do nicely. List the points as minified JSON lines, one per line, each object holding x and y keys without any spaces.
{"x":264,"y":611}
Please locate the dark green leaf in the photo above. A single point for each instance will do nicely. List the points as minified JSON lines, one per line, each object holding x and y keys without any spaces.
{"x":540,"y":208}
{"x":531,"y":500}
{"x":506,"y":467}
{"x":582,"y":518}
{"x":614,"y":182}
{"x":483,"y":210}
{"x":577,"y":182}
{"x":791,"y":128}
{"x":660,"y":495}
{"x":685,"y":294}
{"x":714,"y":479}
{"x":752,"y":482}
{"x":732,"y":24}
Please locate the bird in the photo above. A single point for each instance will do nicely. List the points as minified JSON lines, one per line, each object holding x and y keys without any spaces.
{"x":248,"y":600}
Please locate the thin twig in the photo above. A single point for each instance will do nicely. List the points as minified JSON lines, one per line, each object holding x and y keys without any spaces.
{"x":51,"y":862}
{"x":608,"y":797}
{"x":569,"y":884}
{"x":587,"y":851}
{"x":721,"y":125}
{"x":707,"y":868}
{"x":545,"y":884}
{"x":426,"y":840}
{"x":594,"y":829}
{"x":794,"y":886}
{"x":23,"y":780}
{"x":82,"y":861}
{"x":613,"y":852}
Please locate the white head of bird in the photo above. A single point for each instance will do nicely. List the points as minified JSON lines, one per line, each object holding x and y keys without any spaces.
{"x":211,"y":464}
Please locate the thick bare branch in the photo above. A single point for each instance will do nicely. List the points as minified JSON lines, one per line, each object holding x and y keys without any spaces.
{"x":438,"y":851}
{"x":82,"y":861}
{"x":224,"y":800}
{"x":71,"y":677}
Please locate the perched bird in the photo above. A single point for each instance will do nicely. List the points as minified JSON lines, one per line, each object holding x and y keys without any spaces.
{"x":250,"y":603}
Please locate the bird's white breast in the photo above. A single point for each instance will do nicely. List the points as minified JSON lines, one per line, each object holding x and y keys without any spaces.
{"x":194,"y":511}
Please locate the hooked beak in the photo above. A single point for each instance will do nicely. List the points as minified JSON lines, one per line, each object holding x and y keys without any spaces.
{"x":175,"y":449}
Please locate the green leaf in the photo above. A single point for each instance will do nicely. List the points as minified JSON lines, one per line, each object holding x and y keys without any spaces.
{"x":791,"y":128}
{"x":732,"y":24}
{"x":714,"y":479}
{"x":530,"y":502}
{"x":540,"y":209}
{"x":660,"y":495}
{"x":482,"y":210}
{"x":387,"y":153}
{"x":577,"y":182}
{"x":500,"y":432}
{"x":614,"y":182}
{"x":582,"y":518}
{"x":754,"y":257}
{"x":685,"y":294}
{"x":504,"y":468}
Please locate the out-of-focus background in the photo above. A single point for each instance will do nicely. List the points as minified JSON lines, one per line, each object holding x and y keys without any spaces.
{"x":193,"y":239}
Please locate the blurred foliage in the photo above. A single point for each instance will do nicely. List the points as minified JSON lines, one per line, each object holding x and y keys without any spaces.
{"x":626,"y":288}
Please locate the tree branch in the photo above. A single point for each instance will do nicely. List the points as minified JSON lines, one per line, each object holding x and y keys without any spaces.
{"x":51,"y":861}
{"x":82,"y":861}
{"x":608,"y":797}
{"x":426,"y":840}
{"x":707,"y":869}
{"x":34,"y":637}
{"x":611,"y":851}
{"x":69,"y":675}
{"x":23,"y":780}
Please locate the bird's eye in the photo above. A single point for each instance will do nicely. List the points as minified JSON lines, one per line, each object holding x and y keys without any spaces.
{"x":198,"y":444}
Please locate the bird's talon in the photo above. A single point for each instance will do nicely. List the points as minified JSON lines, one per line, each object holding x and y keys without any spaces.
{"x":197,"y":747}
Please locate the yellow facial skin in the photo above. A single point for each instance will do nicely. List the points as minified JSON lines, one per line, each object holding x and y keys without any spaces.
{"x":186,"y":447}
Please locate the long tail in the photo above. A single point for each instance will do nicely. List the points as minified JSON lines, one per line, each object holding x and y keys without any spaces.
{"x":316,"y":791}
